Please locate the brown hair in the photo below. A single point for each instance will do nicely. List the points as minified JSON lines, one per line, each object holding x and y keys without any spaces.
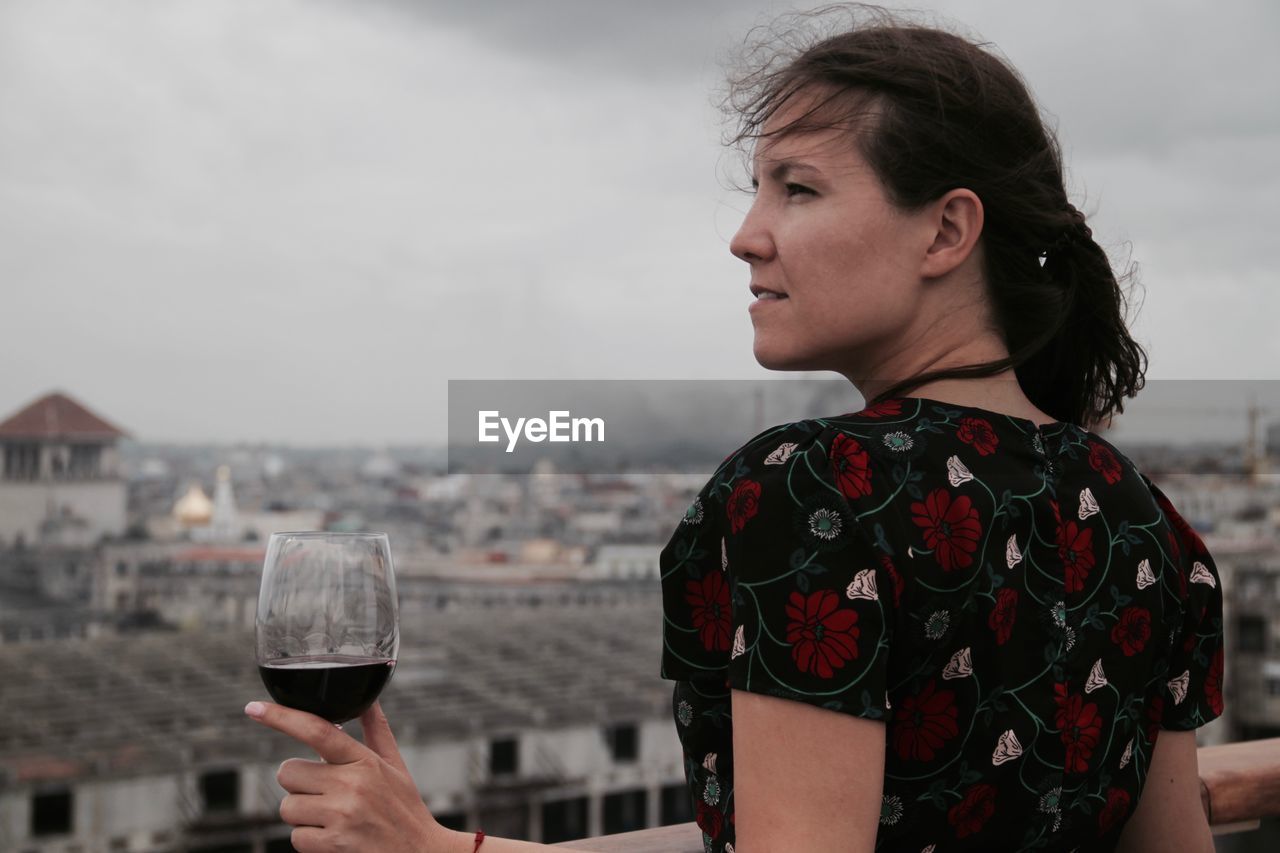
{"x":931,"y":111}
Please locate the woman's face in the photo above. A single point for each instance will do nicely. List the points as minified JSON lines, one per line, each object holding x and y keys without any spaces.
{"x":847,"y":266}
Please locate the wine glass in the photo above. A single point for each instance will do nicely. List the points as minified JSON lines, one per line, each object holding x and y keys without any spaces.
{"x":328,"y":627}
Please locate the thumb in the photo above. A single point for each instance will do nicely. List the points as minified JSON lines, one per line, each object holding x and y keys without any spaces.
{"x":378,"y":737}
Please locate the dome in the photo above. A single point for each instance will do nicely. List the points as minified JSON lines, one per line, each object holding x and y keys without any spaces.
{"x":193,"y":508}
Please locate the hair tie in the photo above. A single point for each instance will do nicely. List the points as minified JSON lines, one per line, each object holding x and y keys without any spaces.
{"x":1076,"y":231}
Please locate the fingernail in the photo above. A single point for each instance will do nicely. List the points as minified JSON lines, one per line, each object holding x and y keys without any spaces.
{"x":255,"y":709}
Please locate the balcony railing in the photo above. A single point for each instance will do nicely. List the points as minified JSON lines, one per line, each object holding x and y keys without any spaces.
{"x":1239,"y":786}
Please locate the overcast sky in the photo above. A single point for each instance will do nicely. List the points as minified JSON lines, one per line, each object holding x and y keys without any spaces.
{"x":294,"y":221}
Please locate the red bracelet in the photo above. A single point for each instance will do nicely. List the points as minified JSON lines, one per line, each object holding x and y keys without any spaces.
{"x":479,"y":838}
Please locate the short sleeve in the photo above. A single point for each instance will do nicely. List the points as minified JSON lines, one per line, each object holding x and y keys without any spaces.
{"x":695,"y":592}
{"x":1193,"y":689}
{"x":812,"y":601}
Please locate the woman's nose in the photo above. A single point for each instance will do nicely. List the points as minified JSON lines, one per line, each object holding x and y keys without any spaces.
{"x":752,"y":242}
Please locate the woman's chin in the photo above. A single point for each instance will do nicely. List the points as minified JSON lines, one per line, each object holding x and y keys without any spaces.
{"x":780,"y":358}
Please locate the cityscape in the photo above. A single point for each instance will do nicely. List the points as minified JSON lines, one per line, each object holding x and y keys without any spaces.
{"x":129,"y":576}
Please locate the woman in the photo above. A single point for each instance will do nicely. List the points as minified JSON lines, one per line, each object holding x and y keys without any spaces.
{"x":955,"y":620}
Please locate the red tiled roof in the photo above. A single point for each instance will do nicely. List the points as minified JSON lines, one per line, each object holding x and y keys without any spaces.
{"x":220,"y":555}
{"x":57,"y":416}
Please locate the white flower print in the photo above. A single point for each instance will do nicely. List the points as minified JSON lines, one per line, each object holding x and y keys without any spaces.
{"x":825,"y":524}
{"x":684,"y":713}
{"x":724,"y":556}
{"x":1088,"y":505}
{"x":780,"y":454}
{"x":960,"y":665}
{"x":1128,"y":754}
{"x":710,"y":762}
{"x":739,"y":643}
{"x":1071,"y":637}
{"x":711,"y":793}
{"x":891,"y":810}
{"x":1201,"y":574}
{"x":957,"y":472}
{"x":937,"y":624}
{"x":1007,"y":748}
{"x":693,"y":515}
{"x":1178,"y":687}
{"x":1037,"y":443}
{"x":1012,"y":556}
{"x":899,"y":441}
{"x":1096,"y":677}
{"x":1146,"y":577}
{"x":1051,"y":801}
{"x":1059,"y":613}
{"x":863,"y":585}
{"x":728,"y":846}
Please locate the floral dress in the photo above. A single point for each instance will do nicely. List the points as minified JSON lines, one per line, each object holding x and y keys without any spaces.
{"x":1022,"y":608}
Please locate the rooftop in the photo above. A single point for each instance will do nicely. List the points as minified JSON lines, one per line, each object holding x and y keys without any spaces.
{"x":154,"y":703}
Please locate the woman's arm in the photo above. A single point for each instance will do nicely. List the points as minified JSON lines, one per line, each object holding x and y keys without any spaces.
{"x":361,"y":797}
{"x":1170,"y":815}
{"x":805,"y":778}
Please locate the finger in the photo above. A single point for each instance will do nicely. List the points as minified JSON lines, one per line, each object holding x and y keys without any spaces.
{"x":330,"y":742}
{"x":378,"y":736}
{"x":302,"y":810}
{"x":300,"y":776}
{"x":308,"y":839}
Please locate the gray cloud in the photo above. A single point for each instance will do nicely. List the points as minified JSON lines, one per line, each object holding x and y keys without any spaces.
{"x":295,"y":221}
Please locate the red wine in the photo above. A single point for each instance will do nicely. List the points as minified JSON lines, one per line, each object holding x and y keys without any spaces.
{"x":336,"y":687}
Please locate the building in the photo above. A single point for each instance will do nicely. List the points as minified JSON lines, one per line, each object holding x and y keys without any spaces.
{"x":59,"y":475}
{"x":549,"y":724}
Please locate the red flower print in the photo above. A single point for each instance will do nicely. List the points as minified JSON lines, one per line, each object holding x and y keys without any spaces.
{"x":709,"y":819}
{"x":743,"y":503}
{"x":978,"y":432}
{"x":883,"y":409}
{"x":1001,"y":619}
{"x":897,"y":579}
{"x":709,"y":610}
{"x":1081,"y":726}
{"x":923,"y":723}
{"x":1133,"y":630}
{"x":823,"y":637}
{"x":851,"y":464}
{"x":1213,"y":682}
{"x":1102,"y":460}
{"x":1075,"y":547}
{"x":1116,"y":808}
{"x":977,"y":807}
{"x":951,"y":527}
{"x":1154,"y":712}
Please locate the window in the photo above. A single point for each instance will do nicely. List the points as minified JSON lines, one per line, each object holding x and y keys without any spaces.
{"x":502,"y":756}
{"x":452,"y":820}
{"x":623,"y":741}
{"x":624,"y":811}
{"x":22,"y":461}
{"x":564,"y":820}
{"x":220,"y":790}
{"x":676,"y":805}
{"x":1253,"y":634}
{"x":51,"y":813}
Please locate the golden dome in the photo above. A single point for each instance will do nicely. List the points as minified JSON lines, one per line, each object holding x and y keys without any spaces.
{"x":193,"y":508}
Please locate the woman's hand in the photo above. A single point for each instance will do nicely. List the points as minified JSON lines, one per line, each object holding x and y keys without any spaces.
{"x":361,"y":797}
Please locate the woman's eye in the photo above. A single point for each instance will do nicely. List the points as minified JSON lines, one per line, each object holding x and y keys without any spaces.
{"x":793,"y":189}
